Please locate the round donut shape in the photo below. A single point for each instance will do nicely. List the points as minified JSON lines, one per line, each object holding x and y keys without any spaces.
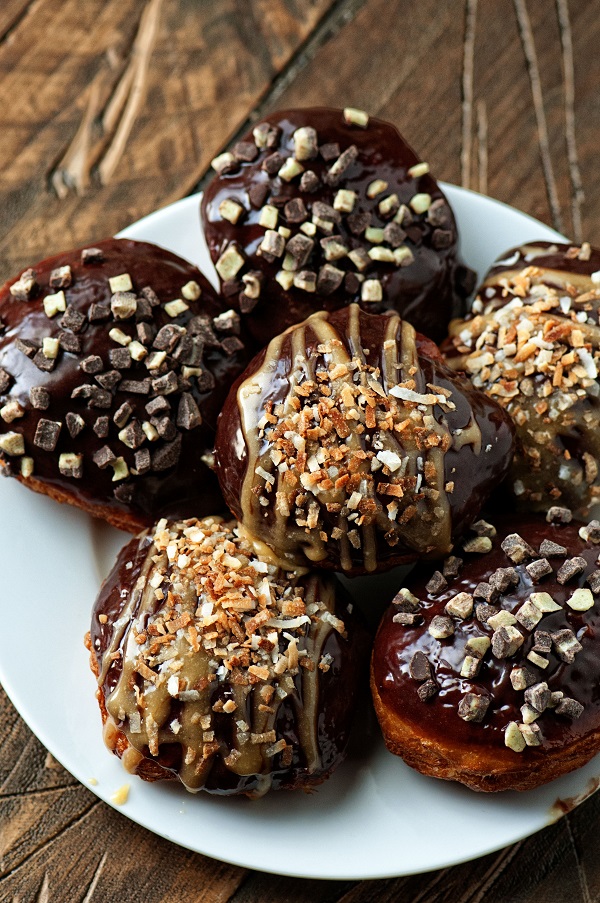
{"x":349,"y":444}
{"x":532,"y":342}
{"x":488,"y":676}
{"x":217,"y":668}
{"x":114,"y":363}
{"x":315,"y":209}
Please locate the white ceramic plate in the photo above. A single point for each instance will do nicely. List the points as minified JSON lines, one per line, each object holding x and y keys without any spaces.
{"x":375,"y":817}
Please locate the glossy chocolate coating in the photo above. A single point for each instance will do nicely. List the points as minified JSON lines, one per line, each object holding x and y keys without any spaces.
{"x":437,"y":719}
{"x":187,"y":488}
{"x":428,"y":292}
{"x":473,"y":475}
{"x":557,"y":416}
{"x":338,"y":689}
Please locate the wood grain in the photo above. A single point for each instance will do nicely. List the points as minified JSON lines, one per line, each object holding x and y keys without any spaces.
{"x":413,"y":75}
{"x":111,"y":109}
{"x":120,"y":126}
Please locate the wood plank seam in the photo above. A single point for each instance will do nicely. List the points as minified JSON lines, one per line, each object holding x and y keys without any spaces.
{"x":566,"y":40}
{"x":60,"y":833}
{"x":528,"y":44}
{"x":113,"y":111}
{"x":337,"y":17}
{"x":28,"y":9}
{"x":467,"y":92}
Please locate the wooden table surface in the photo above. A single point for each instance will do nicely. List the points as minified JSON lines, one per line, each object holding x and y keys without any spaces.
{"x":112,"y":108}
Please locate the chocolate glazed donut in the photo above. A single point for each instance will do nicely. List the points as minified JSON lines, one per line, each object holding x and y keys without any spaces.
{"x":532,"y":342}
{"x":240,"y":679}
{"x":110,"y":390}
{"x":489,"y":675}
{"x":313,"y":211}
{"x":347,"y":442}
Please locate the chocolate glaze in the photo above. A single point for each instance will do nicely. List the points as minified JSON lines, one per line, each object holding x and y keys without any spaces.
{"x":478,"y":435}
{"x":188,"y":488}
{"x":437,"y":719}
{"x":428,"y":292}
{"x":337,"y":690}
{"x":558,"y":431}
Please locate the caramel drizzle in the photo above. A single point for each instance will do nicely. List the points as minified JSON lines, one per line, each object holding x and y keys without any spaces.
{"x":154,"y":707}
{"x":431,"y":525}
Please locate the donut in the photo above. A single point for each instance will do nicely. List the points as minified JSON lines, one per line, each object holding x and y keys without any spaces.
{"x":217,"y":668}
{"x":115,"y":361}
{"x":347,"y":443}
{"x":532,"y":342}
{"x":317,"y":208}
{"x":486,"y":671}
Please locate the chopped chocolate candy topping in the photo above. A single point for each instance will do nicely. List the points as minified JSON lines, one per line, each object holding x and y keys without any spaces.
{"x":167,"y":456}
{"x":567,"y":645}
{"x":452,"y":566}
{"x":571,"y":568}
{"x":407,"y":618}
{"x":539,"y":569}
{"x":473,"y":707}
{"x":420,"y":668}
{"x":437,"y":584}
{"x":46,"y":434}
{"x":101,"y":427}
{"x":441,"y":627}
{"x":75,"y":424}
{"x":92,"y":255}
{"x":487,"y":592}
{"x":517,"y":549}
{"x":69,"y":342}
{"x":95,"y":321}
{"x":71,"y":465}
{"x":104,"y":457}
{"x":559,"y":515}
{"x":427,"y":690}
{"x":73,"y":320}
{"x":538,"y":696}
{"x":551,"y":549}
{"x":483,"y":612}
{"x":594,"y":581}
{"x":591,"y":532}
{"x":39,"y":398}
{"x":570,"y":708}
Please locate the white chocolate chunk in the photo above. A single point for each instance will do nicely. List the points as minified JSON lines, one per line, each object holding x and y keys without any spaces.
{"x":420,"y":203}
{"x":55,"y":304}
{"x":12,"y":410}
{"x":12,"y":444}
{"x":376,"y":187}
{"x":191,"y":291}
{"x":230,"y":210}
{"x":50,"y":348}
{"x":26,"y":467}
{"x":118,"y":336}
{"x":544,"y":602}
{"x":581,"y":600}
{"x":290,"y":169}
{"x":419,"y":169}
{"x":513,"y":738}
{"x":352,"y":116}
{"x":120,"y":283}
{"x":371,"y":290}
{"x":344,"y":200}
{"x":502,"y":619}
{"x":176,"y":307}
{"x":268,"y":216}
{"x":229,"y":263}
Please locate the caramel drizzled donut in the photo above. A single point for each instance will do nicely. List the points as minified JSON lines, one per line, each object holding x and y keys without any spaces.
{"x":218,"y":668}
{"x":347,"y":442}
{"x":486,"y":672}
{"x":532,"y":342}
{"x":114,"y":364}
{"x":317,"y":208}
